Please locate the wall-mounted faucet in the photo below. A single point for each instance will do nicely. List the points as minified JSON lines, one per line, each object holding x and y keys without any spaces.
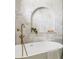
{"x":34,"y":29}
{"x":22,"y":37}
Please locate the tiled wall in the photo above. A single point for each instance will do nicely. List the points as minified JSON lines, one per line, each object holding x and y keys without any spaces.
{"x":24,"y":9}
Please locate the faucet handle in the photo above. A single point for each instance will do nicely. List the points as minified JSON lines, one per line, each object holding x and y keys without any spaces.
{"x":18,"y":29}
{"x":21,"y":36}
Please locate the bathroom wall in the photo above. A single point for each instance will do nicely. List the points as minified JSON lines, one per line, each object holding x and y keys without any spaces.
{"x":24,"y":9}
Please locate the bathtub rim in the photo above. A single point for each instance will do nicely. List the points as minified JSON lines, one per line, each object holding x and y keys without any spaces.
{"x":41,"y":52}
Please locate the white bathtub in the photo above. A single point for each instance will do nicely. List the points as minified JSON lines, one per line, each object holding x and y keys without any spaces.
{"x":39,"y":50}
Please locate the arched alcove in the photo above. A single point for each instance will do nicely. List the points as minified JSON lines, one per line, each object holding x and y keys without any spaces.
{"x":43,"y":19}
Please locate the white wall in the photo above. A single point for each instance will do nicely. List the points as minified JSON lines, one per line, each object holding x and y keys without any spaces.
{"x":24,"y":8}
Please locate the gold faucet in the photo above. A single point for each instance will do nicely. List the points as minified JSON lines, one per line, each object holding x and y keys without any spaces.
{"x":21,"y":37}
